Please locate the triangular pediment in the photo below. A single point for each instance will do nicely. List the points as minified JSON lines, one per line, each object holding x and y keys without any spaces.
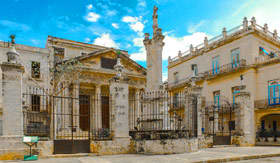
{"x":106,"y":59}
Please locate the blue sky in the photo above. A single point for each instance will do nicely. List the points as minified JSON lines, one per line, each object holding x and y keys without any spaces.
{"x":122,"y":23}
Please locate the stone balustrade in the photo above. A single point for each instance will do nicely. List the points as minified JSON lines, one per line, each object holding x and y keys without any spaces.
{"x":225,"y":34}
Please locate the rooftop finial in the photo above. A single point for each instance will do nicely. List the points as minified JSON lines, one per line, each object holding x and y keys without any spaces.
{"x":12,"y":36}
{"x":245,"y":23}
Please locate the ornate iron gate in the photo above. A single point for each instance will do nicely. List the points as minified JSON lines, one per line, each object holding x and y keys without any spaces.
{"x":219,"y":121}
{"x":71,"y":124}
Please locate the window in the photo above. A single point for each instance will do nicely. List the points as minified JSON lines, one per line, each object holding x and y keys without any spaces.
{"x":58,"y":54}
{"x":35,"y":103}
{"x":35,"y":69}
{"x":273,"y":92}
{"x":108,"y":63}
{"x":235,"y":91}
{"x":215,"y":65}
{"x":235,"y":58}
{"x":195,"y":69}
{"x":217,"y":99}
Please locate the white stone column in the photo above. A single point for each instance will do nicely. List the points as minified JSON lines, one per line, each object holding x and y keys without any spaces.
{"x":98,"y":107}
{"x":247,"y":118}
{"x":120,"y":126}
{"x":76,"y":109}
{"x":12,"y":99}
{"x":199,"y":116}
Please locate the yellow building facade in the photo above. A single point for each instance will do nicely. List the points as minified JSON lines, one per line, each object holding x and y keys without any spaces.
{"x":245,"y":58}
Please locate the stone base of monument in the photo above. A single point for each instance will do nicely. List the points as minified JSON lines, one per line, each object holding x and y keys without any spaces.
{"x":152,"y":147}
{"x":111,"y":147}
{"x":169,"y":146}
{"x":12,"y":148}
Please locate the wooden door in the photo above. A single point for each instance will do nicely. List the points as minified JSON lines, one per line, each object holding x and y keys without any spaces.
{"x":84,"y":101}
{"x":105,"y":112}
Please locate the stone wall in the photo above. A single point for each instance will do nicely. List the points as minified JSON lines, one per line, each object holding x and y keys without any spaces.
{"x":12,"y":148}
{"x":168,"y":146}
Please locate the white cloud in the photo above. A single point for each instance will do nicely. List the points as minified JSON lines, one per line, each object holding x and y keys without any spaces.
{"x":194,"y":27}
{"x":172,"y":45}
{"x":164,"y":76}
{"x":265,"y":13}
{"x":35,"y":42}
{"x":106,"y":40}
{"x":115,"y":25}
{"x":135,"y":23}
{"x":129,"y":19}
{"x":139,"y":56}
{"x":142,"y":3}
{"x":89,"y":7}
{"x":14,"y":25}
{"x":87,"y":40}
{"x":92,"y":17}
{"x":137,"y":27}
{"x":111,"y":12}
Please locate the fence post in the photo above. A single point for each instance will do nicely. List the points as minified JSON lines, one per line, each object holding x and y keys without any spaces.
{"x":12,"y":99}
{"x":247,"y":119}
{"x":193,"y":118}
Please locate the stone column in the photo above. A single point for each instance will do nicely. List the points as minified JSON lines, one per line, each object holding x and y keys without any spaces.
{"x":192,"y":114}
{"x":76,"y":108}
{"x":98,"y":109}
{"x":12,"y":99}
{"x":120,"y":125}
{"x":247,"y":118}
{"x":199,"y":116}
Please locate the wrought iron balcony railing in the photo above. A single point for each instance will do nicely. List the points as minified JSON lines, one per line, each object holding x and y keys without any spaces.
{"x":225,"y":68}
{"x":267,"y":103}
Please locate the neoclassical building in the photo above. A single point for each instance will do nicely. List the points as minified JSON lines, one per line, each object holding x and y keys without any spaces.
{"x":83,"y":81}
{"x":245,"y":58}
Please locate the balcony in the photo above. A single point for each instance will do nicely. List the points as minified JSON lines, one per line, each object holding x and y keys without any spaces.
{"x":267,"y":59}
{"x":267,"y":103}
{"x":224,"y":69}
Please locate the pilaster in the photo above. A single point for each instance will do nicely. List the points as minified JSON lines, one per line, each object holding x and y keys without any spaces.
{"x":247,"y":119}
{"x":12,"y":99}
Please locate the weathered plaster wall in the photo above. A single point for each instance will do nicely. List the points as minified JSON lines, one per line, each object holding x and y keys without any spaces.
{"x":169,"y":146}
{"x":12,"y":148}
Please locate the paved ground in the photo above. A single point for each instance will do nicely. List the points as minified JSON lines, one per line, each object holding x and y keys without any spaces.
{"x":261,"y":160}
{"x":214,"y":154}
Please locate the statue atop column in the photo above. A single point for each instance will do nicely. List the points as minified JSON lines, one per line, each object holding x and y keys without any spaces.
{"x":154,"y":48}
{"x":155,"y":20}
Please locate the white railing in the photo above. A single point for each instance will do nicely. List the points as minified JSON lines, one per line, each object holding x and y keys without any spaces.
{"x":265,"y":58}
{"x":230,"y":32}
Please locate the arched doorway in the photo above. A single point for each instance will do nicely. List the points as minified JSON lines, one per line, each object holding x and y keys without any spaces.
{"x":268,"y":129}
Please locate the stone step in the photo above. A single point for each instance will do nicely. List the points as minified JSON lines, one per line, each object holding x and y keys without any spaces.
{"x":223,"y":146}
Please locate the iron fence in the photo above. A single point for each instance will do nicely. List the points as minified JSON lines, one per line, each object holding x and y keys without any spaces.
{"x":157,"y":115}
{"x":220,"y":119}
{"x":70,"y":114}
{"x":36,"y":112}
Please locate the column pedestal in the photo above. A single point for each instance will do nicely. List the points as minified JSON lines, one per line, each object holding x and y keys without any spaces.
{"x":12,"y":99}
